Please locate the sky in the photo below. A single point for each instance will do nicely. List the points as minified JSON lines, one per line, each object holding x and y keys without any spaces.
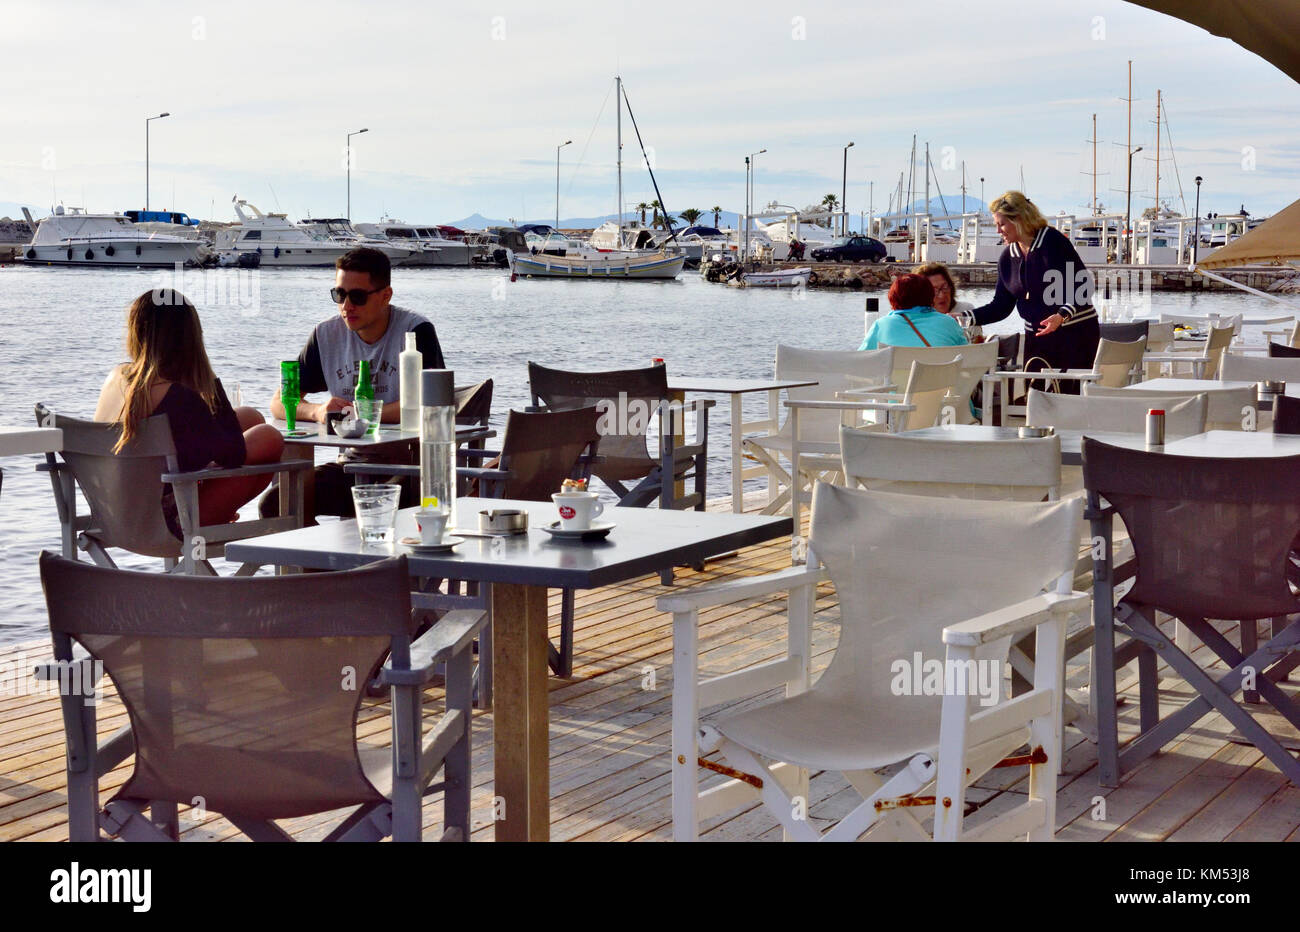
{"x":465,"y":104}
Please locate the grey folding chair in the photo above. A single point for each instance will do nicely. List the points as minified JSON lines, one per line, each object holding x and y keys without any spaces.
{"x":126,"y":492}
{"x":243,"y":696}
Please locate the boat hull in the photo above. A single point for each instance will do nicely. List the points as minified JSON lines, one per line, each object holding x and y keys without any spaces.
{"x":656,"y":266}
{"x":792,"y":278}
{"x":124,"y":254}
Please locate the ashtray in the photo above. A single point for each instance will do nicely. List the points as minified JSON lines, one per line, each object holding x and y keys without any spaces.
{"x":351,"y":430}
{"x":1027,"y":433}
{"x":503,"y":521}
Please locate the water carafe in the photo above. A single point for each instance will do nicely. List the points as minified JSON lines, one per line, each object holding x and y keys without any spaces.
{"x":438,"y":442}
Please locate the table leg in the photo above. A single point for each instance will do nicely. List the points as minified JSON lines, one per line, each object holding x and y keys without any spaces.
{"x":737,"y":461}
{"x":520,"y":713}
{"x":297,"y":451}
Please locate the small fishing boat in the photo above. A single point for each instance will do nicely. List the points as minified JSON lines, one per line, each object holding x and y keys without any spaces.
{"x":605,"y":265}
{"x":781,"y":278}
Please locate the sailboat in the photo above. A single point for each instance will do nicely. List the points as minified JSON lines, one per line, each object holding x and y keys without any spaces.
{"x":605,"y":265}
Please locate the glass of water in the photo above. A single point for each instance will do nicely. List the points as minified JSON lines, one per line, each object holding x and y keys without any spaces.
{"x":376,"y":507}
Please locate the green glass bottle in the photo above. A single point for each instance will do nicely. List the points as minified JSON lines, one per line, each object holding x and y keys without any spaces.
{"x":364,"y":396}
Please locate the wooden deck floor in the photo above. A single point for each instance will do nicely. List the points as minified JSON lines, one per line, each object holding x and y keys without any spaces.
{"x":610,"y":743}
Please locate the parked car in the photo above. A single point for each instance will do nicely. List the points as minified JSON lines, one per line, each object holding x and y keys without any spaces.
{"x":851,"y":249}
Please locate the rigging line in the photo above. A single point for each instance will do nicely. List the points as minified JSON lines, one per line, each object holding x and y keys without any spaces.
{"x":934,"y":174}
{"x":1173,"y":158}
{"x":668,"y":217}
{"x":582,"y":157}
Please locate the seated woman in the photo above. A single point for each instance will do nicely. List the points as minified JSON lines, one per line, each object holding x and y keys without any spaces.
{"x":169,"y":373}
{"x":913,"y":320}
{"x":945,"y":300}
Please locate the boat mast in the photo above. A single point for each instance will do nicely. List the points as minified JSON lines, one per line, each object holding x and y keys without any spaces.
{"x":1157,"y":217}
{"x":618,"y":108}
{"x":1094,"y":164}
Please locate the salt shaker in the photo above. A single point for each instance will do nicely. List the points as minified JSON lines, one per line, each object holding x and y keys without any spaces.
{"x":1156,"y":427}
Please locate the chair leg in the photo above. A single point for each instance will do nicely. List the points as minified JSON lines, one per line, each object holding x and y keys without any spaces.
{"x":561,"y":661}
{"x":1249,"y":644}
{"x":456,"y":766}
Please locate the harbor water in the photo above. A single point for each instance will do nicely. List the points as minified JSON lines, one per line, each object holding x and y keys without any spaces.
{"x":66,"y":333}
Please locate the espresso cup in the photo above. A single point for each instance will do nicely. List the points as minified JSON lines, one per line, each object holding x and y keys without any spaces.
{"x":431,"y":525}
{"x":577,"y":509}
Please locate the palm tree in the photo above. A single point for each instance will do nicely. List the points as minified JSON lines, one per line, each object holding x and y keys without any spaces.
{"x":690,"y":215}
{"x":830,"y":202}
{"x":655,"y":206}
{"x":717,"y":212}
{"x":643,"y":207}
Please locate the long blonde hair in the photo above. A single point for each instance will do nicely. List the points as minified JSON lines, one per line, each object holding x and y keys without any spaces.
{"x":165,"y":343}
{"x":1021,"y":211}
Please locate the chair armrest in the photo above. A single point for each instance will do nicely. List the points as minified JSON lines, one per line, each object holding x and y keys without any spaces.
{"x":452,"y":634}
{"x":1015,"y":619}
{"x":478,"y":454}
{"x":260,"y":469}
{"x":695,"y":404}
{"x":755,"y":587}
{"x":381,"y":469}
{"x":889,"y":387}
{"x":478,"y":472}
{"x":1082,"y":375}
{"x":853,"y":405}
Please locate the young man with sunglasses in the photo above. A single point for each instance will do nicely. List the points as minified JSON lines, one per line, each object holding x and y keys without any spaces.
{"x":367,"y":327}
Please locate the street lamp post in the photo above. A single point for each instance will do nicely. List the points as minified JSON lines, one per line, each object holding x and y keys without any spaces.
{"x":1128,"y":207}
{"x":749,"y":196}
{"x":844,"y":193}
{"x":146,"y":157}
{"x":557,"y":180}
{"x":1196,"y":230}
{"x":347,"y":149}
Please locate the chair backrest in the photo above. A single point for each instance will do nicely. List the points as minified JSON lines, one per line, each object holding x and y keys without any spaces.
{"x":1216,"y":345}
{"x":1225,"y":407}
{"x":928,"y":385}
{"x":1232,"y":322}
{"x":1286,"y":415}
{"x":124,"y":490}
{"x":241,"y":691}
{"x":1010,"y":350}
{"x":1211,"y":535}
{"x":1125,"y":412}
{"x":1116,"y":361}
{"x":1160,"y":337}
{"x":541,"y":450}
{"x":630,"y":399}
{"x":906,"y":566}
{"x":1025,"y":469}
{"x":835,"y":371}
{"x":1283,"y":351}
{"x":474,"y":403}
{"x":976,"y":360}
{"x":1126,"y":332}
{"x":1236,"y":368}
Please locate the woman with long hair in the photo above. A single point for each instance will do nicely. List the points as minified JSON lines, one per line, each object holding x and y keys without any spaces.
{"x":1041,"y":275}
{"x":168,"y":373}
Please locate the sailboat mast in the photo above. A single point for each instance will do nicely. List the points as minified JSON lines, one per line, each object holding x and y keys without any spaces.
{"x":1094,"y":164}
{"x":1157,"y":153}
{"x":618,"y":108}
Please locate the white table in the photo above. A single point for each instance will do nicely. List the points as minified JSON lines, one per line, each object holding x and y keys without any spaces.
{"x":21,"y":441}
{"x":736,"y":388}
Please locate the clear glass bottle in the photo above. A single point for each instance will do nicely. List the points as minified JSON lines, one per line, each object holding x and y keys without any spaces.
{"x":438,"y":442}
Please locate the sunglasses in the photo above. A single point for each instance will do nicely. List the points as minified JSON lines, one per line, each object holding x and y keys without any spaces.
{"x":358,"y":296}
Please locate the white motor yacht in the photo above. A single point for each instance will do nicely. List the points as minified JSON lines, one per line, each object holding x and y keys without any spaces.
{"x":277,"y":241}
{"x":340,"y":230}
{"x":435,"y":248}
{"x":71,"y":236}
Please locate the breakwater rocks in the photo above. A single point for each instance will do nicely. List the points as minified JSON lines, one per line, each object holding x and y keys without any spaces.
{"x":868,"y":277}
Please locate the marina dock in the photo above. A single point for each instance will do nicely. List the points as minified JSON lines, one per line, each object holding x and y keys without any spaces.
{"x":609,"y":745}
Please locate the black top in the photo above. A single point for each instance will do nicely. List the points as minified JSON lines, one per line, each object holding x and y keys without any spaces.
{"x":311,"y":374}
{"x":202,"y":436}
{"x":1049,"y":279}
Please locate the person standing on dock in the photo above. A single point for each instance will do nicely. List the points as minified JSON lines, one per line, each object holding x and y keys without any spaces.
{"x":1041,"y":276}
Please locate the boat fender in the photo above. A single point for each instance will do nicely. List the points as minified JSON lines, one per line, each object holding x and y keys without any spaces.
{"x":137,"y":250}
{"x":277,"y":252}
{"x":31,"y":254}
{"x":90,"y":254}
{"x":514,"y":276}
{"x":109,"y":250}
{"x":259,"y":250}
{"x":69,"y":252}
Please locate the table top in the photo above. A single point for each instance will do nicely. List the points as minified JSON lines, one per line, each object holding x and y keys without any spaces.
{"x":19,"y":441}
{"x":1215,"y":443}
{"x":1202,"y":385}
{"x":388,"y":433}
{"x":733,"y":386}
{"x":644,"y":541}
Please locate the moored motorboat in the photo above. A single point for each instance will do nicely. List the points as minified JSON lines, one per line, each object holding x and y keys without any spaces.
{"x":615,"y":265}
{"x":780,"y":278}
{"x":71,"y":236}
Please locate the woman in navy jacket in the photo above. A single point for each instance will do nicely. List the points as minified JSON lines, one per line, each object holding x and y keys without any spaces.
{"x":1041,"y":276}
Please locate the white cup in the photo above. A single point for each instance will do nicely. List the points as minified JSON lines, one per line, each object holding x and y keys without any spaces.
{"x":577,"y":509}
{"x":431,"y":525}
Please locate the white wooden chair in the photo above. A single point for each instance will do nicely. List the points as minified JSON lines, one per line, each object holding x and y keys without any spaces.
{"x":977,"y":359}
{"x":1226,"y":408}
{"x":817,"y":431}
{"x":1121,"y":412}
{"x":1116,"y":363}
{"x":1204,"y":365}
{"x":863,"y":714}
{"x":1236,"y":368}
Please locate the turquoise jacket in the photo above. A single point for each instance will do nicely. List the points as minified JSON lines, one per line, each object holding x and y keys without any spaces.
{"x":893,"y":330}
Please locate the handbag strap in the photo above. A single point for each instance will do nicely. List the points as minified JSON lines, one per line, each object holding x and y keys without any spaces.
{"x":914,"y":330}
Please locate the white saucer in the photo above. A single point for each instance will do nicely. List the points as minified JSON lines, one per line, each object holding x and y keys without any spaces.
{"x":598,"y":531}
{"x":447,"y":544}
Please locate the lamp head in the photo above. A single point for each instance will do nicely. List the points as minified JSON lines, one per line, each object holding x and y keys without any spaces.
{"x":1198,"y":181}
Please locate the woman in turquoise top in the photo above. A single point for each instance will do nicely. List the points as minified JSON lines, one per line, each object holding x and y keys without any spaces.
{"x":913,"y":320}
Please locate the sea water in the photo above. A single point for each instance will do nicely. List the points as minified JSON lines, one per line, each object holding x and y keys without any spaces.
{"x":64,"y":331}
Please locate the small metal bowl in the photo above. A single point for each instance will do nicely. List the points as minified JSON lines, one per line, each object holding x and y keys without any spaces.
{"x":503,"y":521}
{"x":1035,"y":432}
